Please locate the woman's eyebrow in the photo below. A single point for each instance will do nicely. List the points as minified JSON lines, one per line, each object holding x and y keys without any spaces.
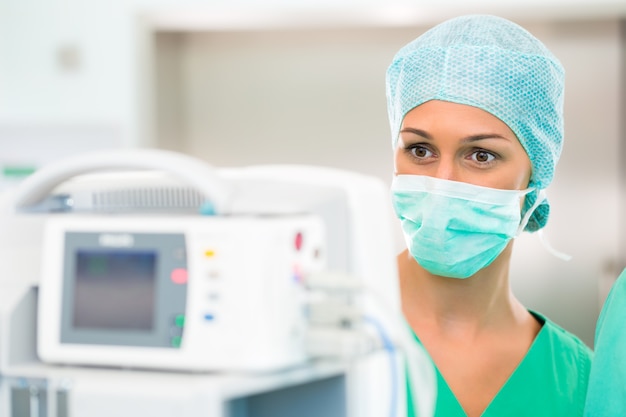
{"x":474,"y":138}
{"x":467,"y":139}
{"x":418,"y":132}
{"x":471,"y":138}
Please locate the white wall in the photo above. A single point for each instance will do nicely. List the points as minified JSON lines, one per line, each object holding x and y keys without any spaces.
{"x":105,"y":87}
{"x":305,"y":96}
{"x":37,"y":88}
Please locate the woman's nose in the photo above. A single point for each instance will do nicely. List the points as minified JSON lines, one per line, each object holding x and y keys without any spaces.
{"x":446,"y":170}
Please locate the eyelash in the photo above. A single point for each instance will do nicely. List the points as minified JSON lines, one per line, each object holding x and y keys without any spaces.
{"x":412,"y":149}
{"x":493,"y":155}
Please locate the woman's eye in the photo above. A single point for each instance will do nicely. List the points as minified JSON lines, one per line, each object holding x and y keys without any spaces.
{"x":421,"y":152}
{"x":483,"y":156}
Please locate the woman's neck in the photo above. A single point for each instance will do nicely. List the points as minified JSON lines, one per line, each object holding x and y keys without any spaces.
{"x":452,"y":306}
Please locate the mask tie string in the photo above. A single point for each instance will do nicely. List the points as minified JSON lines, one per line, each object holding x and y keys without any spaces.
{"x":544,"y":241}
{"x":541,"y":196}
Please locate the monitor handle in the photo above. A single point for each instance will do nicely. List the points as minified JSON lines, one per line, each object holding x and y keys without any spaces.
{"x":191,"y":171}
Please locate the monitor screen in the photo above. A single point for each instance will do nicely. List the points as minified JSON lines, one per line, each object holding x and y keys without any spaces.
{"x":124,"y":295}
{"x":115,"y":289}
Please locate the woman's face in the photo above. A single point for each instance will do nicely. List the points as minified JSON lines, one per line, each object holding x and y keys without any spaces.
{"x":461,"y":143}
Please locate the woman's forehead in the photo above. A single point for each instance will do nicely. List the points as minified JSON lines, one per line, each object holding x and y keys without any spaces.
{"x":453,"y":117}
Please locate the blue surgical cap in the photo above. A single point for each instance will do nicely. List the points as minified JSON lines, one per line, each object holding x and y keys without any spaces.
{"x":497,"y":66}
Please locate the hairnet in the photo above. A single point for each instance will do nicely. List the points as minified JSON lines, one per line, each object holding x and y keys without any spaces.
{"x":495,"y":65}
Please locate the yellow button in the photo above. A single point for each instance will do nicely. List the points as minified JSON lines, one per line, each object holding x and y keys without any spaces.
{"x":209,"y":253}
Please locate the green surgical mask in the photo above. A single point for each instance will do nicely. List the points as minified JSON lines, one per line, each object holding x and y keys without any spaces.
{"x":454,"y":229}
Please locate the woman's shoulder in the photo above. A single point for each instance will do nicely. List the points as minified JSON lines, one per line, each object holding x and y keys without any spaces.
{"x":552,"y":379}
{"x":563,"y":345}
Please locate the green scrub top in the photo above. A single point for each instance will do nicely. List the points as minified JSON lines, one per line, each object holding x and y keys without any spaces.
{"x":607,"y":381}
{"x":551,"y":380}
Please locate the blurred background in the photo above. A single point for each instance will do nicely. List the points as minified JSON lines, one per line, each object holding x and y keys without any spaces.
{"x":249,"y":82}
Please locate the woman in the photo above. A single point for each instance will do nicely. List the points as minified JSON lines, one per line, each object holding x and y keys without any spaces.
{"x":476,"y":112}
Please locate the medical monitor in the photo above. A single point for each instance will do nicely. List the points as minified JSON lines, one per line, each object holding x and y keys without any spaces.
{"x":177,"y":292}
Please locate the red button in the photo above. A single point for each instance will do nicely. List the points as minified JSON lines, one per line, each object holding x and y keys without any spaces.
{"x":298,"y":241}
{"x":179,"y":276}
